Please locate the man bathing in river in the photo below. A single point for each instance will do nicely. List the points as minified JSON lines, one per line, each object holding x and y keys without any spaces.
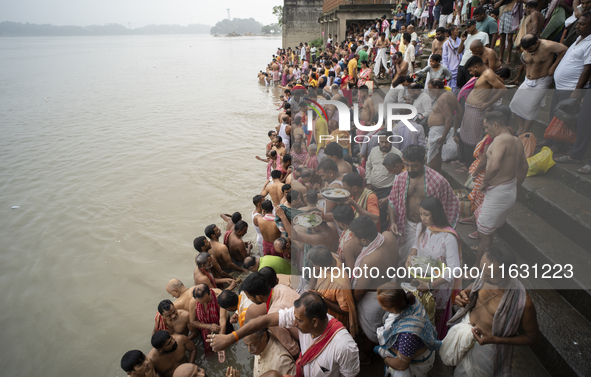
{"x":170,"y":351}
{"x":238,"y":248}
{"x":136,"y":364}
{"x":219,"y":250}
{"x":183,"y":295}
{"x":203,"y":274}
{"x":177,"y":321}
{"x":202,"y":245}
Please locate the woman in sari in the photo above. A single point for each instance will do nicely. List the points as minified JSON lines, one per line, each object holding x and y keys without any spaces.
{"x":408,"y":340}
{"x":436,"y":239}
{"x":345,"y":81}
{"x":365,"y":74}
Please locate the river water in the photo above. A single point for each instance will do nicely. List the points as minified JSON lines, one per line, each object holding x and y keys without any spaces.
{"x":119,"y":151}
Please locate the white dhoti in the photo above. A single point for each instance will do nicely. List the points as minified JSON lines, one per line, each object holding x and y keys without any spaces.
{"x":417,"y":368}
{"x":530,"y":97}
{"x":497,"y":204}
{"x":460,"y":349}
{"x":434,"y":148}
{"x":370,"y":314}
{"x":381,"y":58}
{"x":410,"y":232}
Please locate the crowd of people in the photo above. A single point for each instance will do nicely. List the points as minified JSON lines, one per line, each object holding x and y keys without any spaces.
{"x":293,"y":297}
{"x":554,"y":54}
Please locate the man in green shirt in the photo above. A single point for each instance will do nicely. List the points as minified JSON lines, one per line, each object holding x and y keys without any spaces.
{"x":280,"y":265}
{"x":486,"y":24}
{"x":363,"y":56}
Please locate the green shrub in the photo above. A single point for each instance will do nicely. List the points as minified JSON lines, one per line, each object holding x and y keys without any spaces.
{"x":318,"y":42}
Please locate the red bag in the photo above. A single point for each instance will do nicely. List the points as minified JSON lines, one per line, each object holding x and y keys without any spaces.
{"x":558,"y":131}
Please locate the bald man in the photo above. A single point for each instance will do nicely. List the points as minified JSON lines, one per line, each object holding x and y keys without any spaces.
{"x":188,"y":370}
{"x":488,"y":55}
{"x":183,"y":295}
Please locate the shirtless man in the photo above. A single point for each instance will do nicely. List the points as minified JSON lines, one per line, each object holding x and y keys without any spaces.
{"x":368,"y":111}
{"x":488,"y":55}
{"x":484,"y":299}
{"x":231,"y":220}
{"x":325,"y":234}
{"x":203,"y":274}
{"x":176,"y":320}
{"x":534,"y":22}
{"x":335,"y":152}
{"x":329,"y":171}
{"x":297,"y":129}
{"x":274,"y":188}
{"x":268,"y":227}
{"x":278,"y":146}
{"x":170,"y":351}
{"x":381,"y":58}
{"x":136,"y":364}
{"x":506,"y":168}
{"x":446,"y":114}
{"x":400,"y":66}
{"x":182,"y":294}
{"x":437,"y":45}
{"x":479,"y":99}
{"x":380,"y":252}
{"x":219,"y":250}
{"x":238,"y":248}
{"x":202,"y":245}
{"x":348,"y":250}
{"x":192,"y":370}
{"x":409,"y":189}
{"x":540,"y":63}
{"x":302,"y":184}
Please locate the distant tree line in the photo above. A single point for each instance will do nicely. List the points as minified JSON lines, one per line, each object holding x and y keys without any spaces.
{"x":19,"y":29}
{"x":271,"y":29}
{"x":238,"y":26}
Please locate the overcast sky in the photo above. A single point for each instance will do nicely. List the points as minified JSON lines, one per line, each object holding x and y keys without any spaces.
{"x":137,"y":12}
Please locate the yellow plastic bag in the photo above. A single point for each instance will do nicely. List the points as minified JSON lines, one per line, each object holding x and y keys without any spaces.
{"x":540,"y":163}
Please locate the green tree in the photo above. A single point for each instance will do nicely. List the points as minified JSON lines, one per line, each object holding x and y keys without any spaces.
{"x":237,"y":25}
{"x":278,"y":12}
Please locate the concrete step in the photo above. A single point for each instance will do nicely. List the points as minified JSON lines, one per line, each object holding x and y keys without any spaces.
{"x":562,"y":348}
{"x":538,"y":242}
{"x":567,"y":175}
{"x":562,"y":208}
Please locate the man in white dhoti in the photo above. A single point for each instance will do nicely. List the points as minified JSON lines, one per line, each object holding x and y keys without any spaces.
{"x":380,"y":252}
{"x":506,"y":168}
{"x":382,"y":57}
{"x":540,"y":63}
{"x":483,"y":332}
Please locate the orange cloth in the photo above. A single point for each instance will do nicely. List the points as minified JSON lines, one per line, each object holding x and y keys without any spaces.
{"x":339,"y":290}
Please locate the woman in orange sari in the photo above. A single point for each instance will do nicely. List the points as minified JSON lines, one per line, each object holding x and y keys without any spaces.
{"x":365,"y":74}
